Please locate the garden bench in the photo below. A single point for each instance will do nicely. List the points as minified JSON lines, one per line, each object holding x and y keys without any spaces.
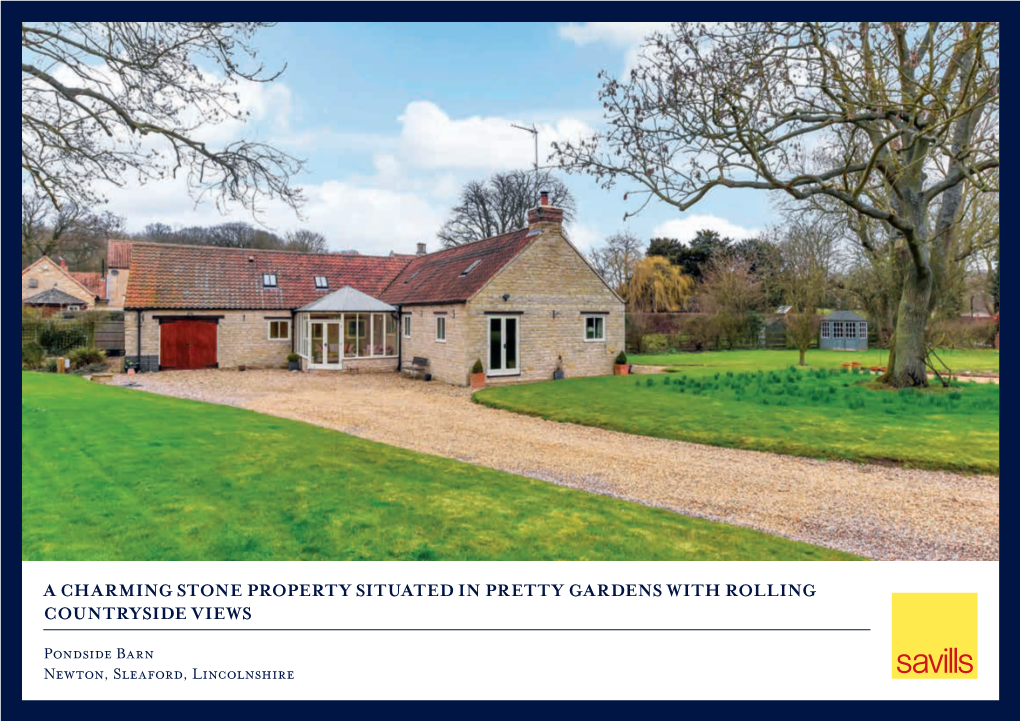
{"x":418,"y":366}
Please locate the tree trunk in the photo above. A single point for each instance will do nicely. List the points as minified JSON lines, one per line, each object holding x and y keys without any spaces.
{"x":803,"y":356}
{"x":886,"y":378}
{"x":907,"y":368}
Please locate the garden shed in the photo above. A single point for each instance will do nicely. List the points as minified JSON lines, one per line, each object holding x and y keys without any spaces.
{"x":844,"y":330}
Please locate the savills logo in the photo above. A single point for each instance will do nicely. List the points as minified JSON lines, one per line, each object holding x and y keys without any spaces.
{"x":934,"y":635}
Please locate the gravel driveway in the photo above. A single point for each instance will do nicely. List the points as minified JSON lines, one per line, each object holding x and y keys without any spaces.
{"x":876,"y":511}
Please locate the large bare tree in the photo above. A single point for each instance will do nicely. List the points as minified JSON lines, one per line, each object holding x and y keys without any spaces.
{"x":500,"y":204}
{"x":617,"y":258}
{"x":103,"y":101}
{"x":807,"y":258}
{"x":896,"y":105}
{"x":72,"y":234}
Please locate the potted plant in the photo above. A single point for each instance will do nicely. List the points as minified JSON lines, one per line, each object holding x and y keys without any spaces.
{"x":620,"y":367}
{"x":558,"y":374}
{"x":293,"y":362}
{"x":478,"y":375}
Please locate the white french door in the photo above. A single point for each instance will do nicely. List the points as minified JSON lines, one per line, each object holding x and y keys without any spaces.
{"x":327,"y":345}
{"x":504,"y":345}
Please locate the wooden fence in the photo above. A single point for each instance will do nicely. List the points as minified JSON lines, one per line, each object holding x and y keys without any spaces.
{"x":59,"y":334}
{"x":109,"y":336}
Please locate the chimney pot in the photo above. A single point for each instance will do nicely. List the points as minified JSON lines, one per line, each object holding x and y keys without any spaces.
{"x":422,"y":249}
{"x":545,"y":197}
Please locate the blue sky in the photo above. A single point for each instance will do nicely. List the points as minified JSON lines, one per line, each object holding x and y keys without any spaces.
{"x":394,"y":117}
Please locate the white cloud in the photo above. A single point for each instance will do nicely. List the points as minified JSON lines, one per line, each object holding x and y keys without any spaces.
{"x":430,"y":138}
{"x":684,"y":229}
{"x":629,"y":36}
{"x":372,"y":220}
{"x":414,"y":179}
{"x":585,"y":237}
{"x":620,"y":34}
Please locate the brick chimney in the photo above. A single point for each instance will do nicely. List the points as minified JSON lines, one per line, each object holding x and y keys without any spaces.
{"x":422,"y":249}
{"x":545,"y":214}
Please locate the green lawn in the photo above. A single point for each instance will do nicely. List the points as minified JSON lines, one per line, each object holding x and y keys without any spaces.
{"x":959,"y":361}
{"x":820,"y":413}
{"x":110,"y":474}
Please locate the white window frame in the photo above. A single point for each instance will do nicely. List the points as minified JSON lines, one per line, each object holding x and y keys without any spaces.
{"x":597,"y":325}
{"x":827,"y":329}
{"x":407,"y":326}
{"x":440,"y":323}
{"x":321,"y":286}
{"x":304,"y":345}
{"x":269,"y":331}
{"x":269,"y":280}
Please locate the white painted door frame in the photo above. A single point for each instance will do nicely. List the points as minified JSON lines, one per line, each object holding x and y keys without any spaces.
{"x":325,"y":365}
{"x":506,"y":348}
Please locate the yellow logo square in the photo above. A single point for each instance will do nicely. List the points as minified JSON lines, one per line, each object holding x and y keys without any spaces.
{"x":934,"y":635}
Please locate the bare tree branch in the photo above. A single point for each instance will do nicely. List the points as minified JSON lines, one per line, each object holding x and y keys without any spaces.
{"x":106,"y":101}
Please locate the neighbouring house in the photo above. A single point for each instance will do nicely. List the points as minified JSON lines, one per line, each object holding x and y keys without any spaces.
{"x":78,"y":291}
{"x":844,"y":330}
{"x":525,"y":303}
{"x":48,"y":286}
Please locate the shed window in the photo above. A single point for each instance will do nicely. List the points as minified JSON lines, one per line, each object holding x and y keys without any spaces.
{"x":862,"y":330}
{"x":826,"y":330}
{"x":594,"y":329}
{"x":269,"y":280}
{"x":279,"y":330}
{"x":440,"y":329}
{"x":322,"y":282}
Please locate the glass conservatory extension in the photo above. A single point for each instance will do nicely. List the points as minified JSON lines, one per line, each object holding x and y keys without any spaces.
{"x":346,"y":326}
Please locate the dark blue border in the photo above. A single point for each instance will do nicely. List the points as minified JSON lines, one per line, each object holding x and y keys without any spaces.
{"x":509,"y":709}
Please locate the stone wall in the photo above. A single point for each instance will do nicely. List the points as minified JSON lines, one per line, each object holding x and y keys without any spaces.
{"x":447,"y":361}
{"x":116,"y":287}
{"x":551,"y":286}
{"x":242,"y":337}
{"x":362,"y":365}
{"x":47,"y":276}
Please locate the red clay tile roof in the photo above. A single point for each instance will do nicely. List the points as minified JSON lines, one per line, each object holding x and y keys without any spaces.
{"x":118,"y":254}
{"x":193,"y":277}
{"x":95,"y":282}
{"x":438,"y":277}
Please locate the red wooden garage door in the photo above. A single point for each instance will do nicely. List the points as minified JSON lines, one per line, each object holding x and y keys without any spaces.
{"x":187,"y":344}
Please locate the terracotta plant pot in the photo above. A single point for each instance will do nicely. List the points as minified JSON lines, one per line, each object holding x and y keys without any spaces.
{"x":478,"y":380}
{"x":621,"y":370}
